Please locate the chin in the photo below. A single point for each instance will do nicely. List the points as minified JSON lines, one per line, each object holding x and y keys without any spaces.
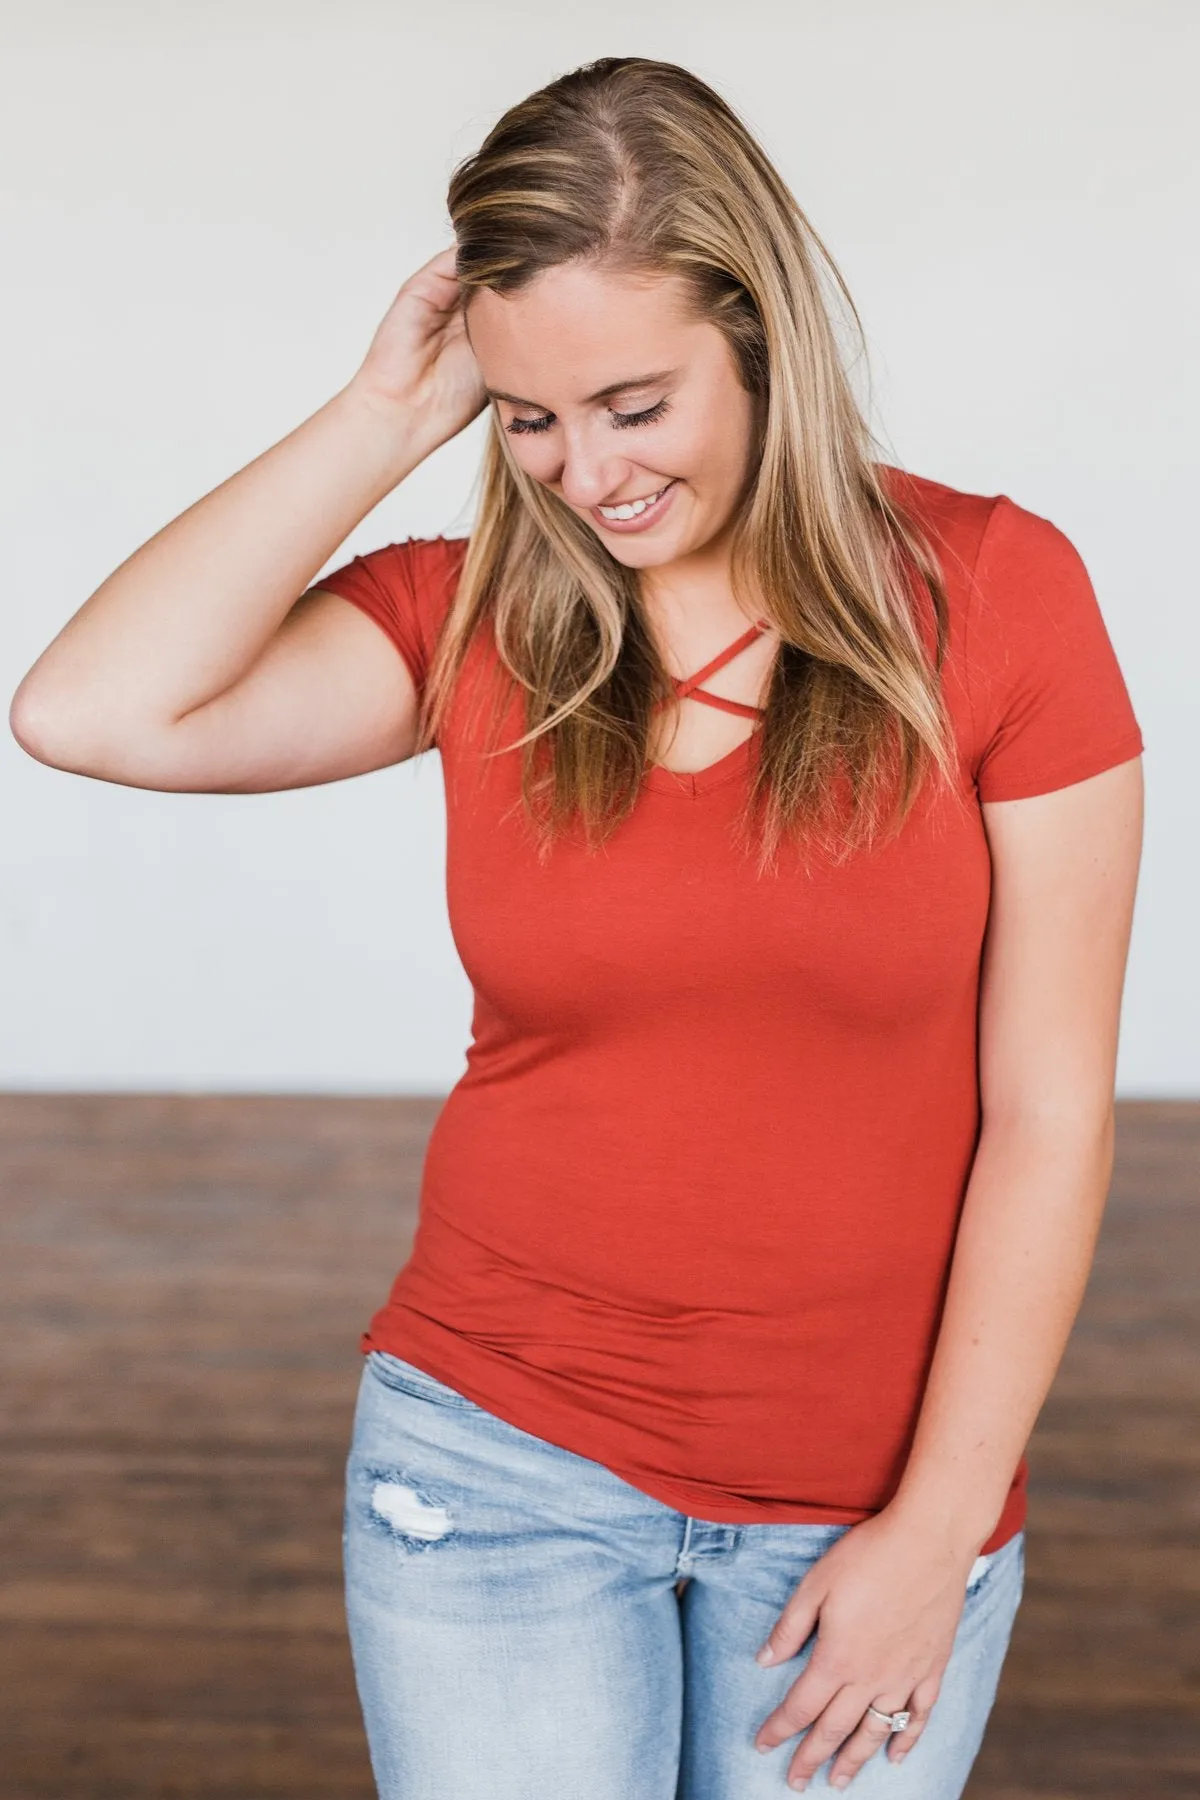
{"x":644,"y":556}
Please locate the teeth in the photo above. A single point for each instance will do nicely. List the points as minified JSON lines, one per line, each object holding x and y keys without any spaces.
{"x":632,"y":508}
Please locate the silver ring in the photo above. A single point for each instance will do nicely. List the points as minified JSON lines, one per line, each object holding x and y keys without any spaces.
{"x":894,"y":1721}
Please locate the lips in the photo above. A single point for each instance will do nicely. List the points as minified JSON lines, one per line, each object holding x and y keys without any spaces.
{"x":636,"y":521}
{"x":633,"y":509}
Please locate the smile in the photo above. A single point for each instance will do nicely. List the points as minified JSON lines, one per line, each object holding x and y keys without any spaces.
{"x":629,"y":509}
{"x":635,"y":515}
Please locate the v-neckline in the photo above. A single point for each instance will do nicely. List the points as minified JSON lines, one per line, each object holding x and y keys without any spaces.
{"x":690,"y":782}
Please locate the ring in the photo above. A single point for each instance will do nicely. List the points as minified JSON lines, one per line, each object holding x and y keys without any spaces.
{"x":894,"y":1721}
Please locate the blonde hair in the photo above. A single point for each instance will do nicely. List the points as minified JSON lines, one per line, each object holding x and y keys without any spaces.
{"x":639,"y":166}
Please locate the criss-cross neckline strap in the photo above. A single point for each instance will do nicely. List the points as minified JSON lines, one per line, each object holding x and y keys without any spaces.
{"x":687,"y":687}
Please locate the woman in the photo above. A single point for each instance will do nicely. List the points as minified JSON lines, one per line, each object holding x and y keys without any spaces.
{"x":794,"y":812}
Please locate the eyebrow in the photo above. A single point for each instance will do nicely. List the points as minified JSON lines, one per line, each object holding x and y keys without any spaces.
{"x":604,"y":393}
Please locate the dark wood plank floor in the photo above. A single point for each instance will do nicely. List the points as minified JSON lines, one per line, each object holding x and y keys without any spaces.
{"x":184,"y":1279}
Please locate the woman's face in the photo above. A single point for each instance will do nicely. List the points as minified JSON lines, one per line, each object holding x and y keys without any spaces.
{"x":612,"y":397}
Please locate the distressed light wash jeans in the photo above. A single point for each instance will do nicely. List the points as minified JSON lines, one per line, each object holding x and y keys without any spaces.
{"x":517,"y":1634}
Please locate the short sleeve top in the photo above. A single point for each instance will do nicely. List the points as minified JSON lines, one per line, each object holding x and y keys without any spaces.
{"x":690,"y":1209}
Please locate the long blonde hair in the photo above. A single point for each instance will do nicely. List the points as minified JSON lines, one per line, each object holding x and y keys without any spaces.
{"x":638,"y":165}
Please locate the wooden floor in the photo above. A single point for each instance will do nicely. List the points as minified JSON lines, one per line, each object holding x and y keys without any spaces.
{"x":183,"y":1284}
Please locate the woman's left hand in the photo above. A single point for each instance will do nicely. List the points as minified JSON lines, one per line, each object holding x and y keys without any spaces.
{"x":885,"y":1599}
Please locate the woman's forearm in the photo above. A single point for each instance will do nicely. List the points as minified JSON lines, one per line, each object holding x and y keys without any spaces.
{"x":1023,"y":1253}
{"x":189,"y":612}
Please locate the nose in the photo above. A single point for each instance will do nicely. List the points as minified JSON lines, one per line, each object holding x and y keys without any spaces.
{"x":592,"y":471}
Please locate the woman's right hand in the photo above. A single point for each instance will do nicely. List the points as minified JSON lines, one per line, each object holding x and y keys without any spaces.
{"x":420,"y":360}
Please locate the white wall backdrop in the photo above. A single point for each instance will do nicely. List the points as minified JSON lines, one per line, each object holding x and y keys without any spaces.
{"x":207,"y":209}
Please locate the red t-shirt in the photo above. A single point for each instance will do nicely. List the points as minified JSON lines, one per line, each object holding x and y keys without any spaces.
{"x":689,"y":1211}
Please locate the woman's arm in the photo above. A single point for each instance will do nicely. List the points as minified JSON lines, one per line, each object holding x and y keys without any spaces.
{"x":1065,"y":868}
{"x":179,"y":672}
{"x":889,"y":1594}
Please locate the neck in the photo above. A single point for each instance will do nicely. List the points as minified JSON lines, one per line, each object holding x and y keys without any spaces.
{"x":697,"y":614}
{"x":694,"y":594}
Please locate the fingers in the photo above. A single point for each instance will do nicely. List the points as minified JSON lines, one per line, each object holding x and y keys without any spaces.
{"x":859,"y":1747}
{"x":842,"y":1727}
{"x":919,"y":1707}
{"x":443,"y":265}
{"x":793,"y":1628}
{"x":843,"y":1719}
{"x":436,"y":282}
{"x":805,"y":1701}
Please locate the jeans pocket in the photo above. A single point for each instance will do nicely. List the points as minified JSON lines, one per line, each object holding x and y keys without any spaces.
{"x":983,"y":1566}
{"x":406,"y":1378}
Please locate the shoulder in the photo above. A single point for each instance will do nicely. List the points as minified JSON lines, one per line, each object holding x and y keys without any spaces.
{"x":1046,"y":698}
{"x":1009,"y":571}
{"x":954,"y":519}
{"x":424,"y":571}
{"x":407,"y":588}
{"x":419,"y":571}
{"x":987,"y":535}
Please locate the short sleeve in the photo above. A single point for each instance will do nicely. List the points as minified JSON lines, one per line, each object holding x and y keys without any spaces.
{"x":1048,"y":698}
{"x":407,"y":589}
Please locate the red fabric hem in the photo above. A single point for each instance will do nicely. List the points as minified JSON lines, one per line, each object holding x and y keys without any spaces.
{"x":683,"y":1496}
{"x":1048,"y":781}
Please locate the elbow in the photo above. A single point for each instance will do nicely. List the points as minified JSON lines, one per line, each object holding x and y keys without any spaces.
{"x":68,"y":730}
{"x":48,"y":727}
{"x":36,"y":725}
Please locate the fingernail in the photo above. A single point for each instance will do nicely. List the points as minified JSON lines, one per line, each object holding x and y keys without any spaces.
{"x":765,"y":1655}
{"x":763,"y":1748}
{"x":798,"y":1782}
{"x":841,"y":1781}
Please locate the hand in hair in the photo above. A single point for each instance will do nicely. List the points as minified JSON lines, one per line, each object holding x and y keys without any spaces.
{"x":420,"y":361}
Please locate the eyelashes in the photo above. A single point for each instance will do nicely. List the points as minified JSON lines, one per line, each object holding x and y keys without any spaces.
{"x":621,"y":421}
{"x":519,"y":427}
{"x":651,"y":413}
